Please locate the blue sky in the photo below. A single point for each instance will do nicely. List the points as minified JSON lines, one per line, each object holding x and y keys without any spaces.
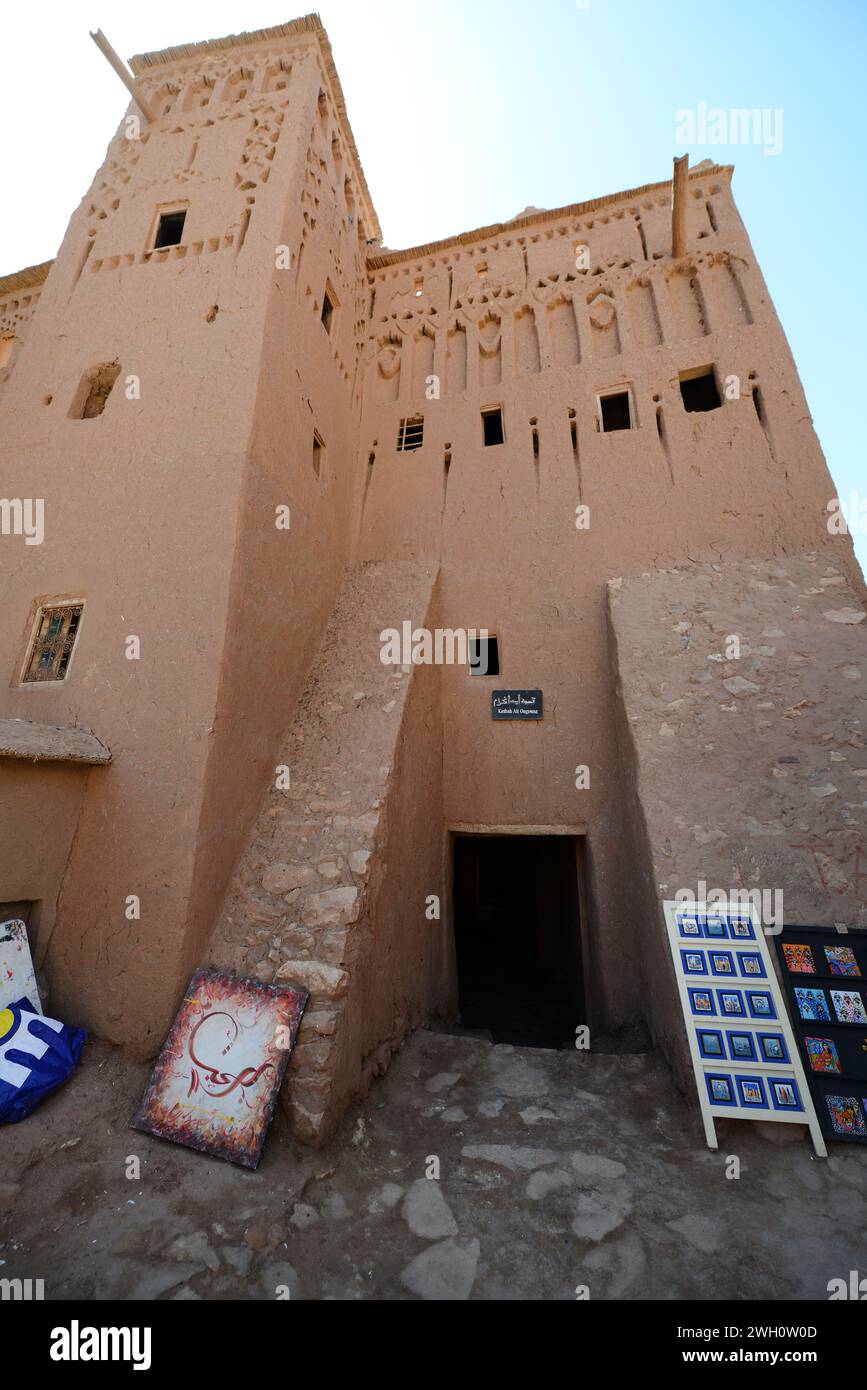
{"x":467,"y":111}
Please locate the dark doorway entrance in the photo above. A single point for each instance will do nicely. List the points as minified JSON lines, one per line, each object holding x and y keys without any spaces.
{"x":518,"y":937}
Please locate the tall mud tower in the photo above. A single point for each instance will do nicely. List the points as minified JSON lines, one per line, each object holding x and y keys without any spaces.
{"x":164,"y":402}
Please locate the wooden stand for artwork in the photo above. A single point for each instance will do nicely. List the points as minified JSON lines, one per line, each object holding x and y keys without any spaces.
{"x":702,"y":937}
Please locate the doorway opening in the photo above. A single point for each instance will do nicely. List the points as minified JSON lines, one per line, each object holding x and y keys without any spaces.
{"x":517,"y":925}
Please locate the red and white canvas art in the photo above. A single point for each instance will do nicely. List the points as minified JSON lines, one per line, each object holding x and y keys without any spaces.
{"x":17,"y":980}
{"x":216,"y":1080}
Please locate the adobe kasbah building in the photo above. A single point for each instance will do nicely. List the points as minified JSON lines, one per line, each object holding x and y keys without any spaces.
{"x":268,"y":448}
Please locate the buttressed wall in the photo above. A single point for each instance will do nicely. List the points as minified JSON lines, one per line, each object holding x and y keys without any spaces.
{"x":272,"y":358}
{"x":743,"y":771}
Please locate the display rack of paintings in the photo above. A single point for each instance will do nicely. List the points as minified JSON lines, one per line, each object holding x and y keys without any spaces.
{"x":825,"y":975}
{"x":744,"y":1055}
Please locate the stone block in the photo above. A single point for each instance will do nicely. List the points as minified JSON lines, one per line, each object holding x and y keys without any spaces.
{"x":322,"y":980}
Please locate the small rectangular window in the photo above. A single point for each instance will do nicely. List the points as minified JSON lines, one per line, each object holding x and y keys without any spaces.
{"x":7,"y":345}
{"x":318,"y":454}
{"x":699,"y":390}
{"x":170,"y":228}
{"x":492,"y":426}
{"x":615,"y":411}
{"x":52,"y":643}
{"x":410,"y":434}
{"x":484,"y":655}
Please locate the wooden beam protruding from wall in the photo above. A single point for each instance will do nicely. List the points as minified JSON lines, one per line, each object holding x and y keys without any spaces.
{"x":123,"y":73}
{"x":678,"y":206}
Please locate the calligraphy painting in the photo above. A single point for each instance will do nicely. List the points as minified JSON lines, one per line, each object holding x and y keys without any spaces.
{"x":217,"y":1077}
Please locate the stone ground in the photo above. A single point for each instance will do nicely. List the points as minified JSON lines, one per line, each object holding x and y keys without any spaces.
{"x":556,"y":1170}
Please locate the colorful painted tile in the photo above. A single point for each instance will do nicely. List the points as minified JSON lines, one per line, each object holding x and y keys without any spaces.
{"x":689,"y":926}
{"x":847,"y":1116}
{"x":693,"y":963}
{"x":751,"y":963}
{"x":715,"y":927}
{"x":842,"y":960}
{"x":741,"y":1047}
{"x":773,"y":1048}
{"x":760,"y":1004}
{"x":823,"y":1055}
{"x":731,"y":1004}
{"x":785,"y":1095}
{"x":721,"y":963}
{"x":813,"y":1004}
{"x":799,"y":960}
{"x":702,"y":1001}
{"x":848,"y":1006}
{"x":752,"y":1091}
{"x":710,"y":1043}
{"x":742,"y":928}
{"x":720,"y":1090}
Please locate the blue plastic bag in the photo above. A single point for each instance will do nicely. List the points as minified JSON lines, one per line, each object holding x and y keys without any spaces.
{"x":37,"y":1055}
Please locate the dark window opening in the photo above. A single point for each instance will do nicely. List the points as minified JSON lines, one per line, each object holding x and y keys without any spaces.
{"x":318,"y":454}
{"x":518,"y":938}
{"x":700,"y":392}
{"x":53,"y":643}
{"x":327,"y":311}
{"x":410,"y":434}
{"x":492,"y":426}
{"x":170,"y":229}
{"x":615,"y":411}
{"x":484,"y":656}
{"x":14,"y":912}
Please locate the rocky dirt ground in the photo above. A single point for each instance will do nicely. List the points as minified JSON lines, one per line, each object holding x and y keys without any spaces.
{"x":557,"y":1170}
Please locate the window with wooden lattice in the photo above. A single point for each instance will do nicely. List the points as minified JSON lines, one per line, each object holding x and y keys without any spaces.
{"x":53,"y":641}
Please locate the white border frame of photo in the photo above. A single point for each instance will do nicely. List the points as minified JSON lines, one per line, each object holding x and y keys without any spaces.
{"x":754,"y":1072}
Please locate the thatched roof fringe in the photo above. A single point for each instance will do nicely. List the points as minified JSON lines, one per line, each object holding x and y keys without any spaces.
{"x":27,"y":279}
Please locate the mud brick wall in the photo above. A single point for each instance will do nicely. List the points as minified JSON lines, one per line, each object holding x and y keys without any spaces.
{"x":748,"y":773}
